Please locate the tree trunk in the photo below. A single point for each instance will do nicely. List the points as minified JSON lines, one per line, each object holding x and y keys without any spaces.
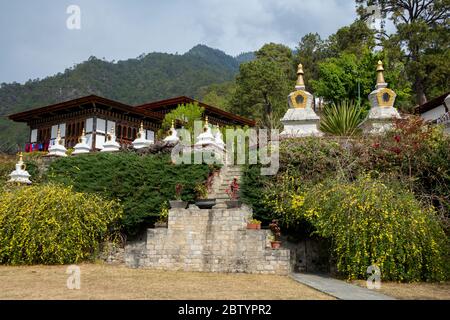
{"x":419,"y":90}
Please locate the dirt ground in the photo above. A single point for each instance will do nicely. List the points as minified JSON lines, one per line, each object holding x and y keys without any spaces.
{"x":100,"y":281}
{"x":413,"y":291}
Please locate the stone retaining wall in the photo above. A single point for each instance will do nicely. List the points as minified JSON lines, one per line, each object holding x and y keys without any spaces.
{"x":214,"y":240}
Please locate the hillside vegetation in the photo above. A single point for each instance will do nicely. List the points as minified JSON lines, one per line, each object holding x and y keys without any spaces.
{"x":147,"y":78}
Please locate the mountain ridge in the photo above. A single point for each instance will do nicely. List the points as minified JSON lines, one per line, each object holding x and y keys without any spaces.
{"x":149,"y":77}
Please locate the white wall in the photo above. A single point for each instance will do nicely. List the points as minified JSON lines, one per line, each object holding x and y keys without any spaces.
{"x":433,"y":114}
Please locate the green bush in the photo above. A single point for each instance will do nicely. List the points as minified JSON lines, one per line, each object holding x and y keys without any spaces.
{"x":141,"y":183}
{"x":52,"y":224}
{"x":370,"y":222}
{"x":342,"y":119}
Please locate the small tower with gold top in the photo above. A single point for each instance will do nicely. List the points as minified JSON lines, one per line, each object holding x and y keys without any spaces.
{"x":20,"y":175}
{"x":382,"y":110}
{"x":300,"y":120}
{"x":173,"y":135}
{"x":57,"y":149}
{"x":141,"y":140}
{"x":110,"y":145}
{"x":82,"y":146}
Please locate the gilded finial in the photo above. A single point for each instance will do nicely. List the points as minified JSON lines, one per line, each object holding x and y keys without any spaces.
{"x":380,"y":75}
{"x":206,"y":121}
{"x":142,"y":126}
{"x":300,"y":85}
{"x":173,"y":124}
{"x":83,"y":133}
{"x":20,"y":157}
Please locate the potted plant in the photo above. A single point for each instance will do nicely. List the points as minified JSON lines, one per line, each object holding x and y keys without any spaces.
{"x":276,"y":233}
{"x":163,"y":216}
{"x":202,"y":197}
{"x":178,"y":203}
{"x":254,"y":224}
{"x":233,"y":192}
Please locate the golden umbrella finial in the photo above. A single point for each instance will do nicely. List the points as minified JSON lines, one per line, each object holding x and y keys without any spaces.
{"x":380,"y":75}
{"x":83,"y":133}
{"x":20,"y":157}
{"x":300,"y":82}
{"x":142,"y":126}
{"x":173,"y":124}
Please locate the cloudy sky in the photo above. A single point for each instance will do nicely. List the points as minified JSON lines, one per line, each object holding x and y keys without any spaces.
{"x":35,"y":41}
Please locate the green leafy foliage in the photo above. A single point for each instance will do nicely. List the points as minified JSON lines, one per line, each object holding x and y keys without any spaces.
{"x":342,"y":119}
{"x":141,"y":183}
{"x":185,"y":115}
{"x":149,"y":77}
{"x":52,"y":224}
{"x":370,"y":222}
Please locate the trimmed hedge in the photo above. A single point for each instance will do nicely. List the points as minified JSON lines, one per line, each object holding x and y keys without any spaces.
{"x":52,"y":224}
{"x":141,"y":183}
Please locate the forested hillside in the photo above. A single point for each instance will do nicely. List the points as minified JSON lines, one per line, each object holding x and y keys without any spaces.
{"x":147,"y":78}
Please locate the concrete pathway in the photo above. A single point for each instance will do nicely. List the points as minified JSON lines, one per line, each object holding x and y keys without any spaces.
{"x":338,"y":288}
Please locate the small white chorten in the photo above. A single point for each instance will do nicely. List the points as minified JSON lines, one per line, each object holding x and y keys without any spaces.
{"x":111,"y":145}
{"x":206,"y":137}
{"x":81,"y":146}
{"x":20,"y":175}
{"x":172,"y":138}
{"x":140,"y":142}
{"x":382,"y":110}
{"x":57,"y":150}
{"x":300,"y":120}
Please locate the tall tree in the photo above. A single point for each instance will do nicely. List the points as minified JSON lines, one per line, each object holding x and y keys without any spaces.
{"x":263,"y":84}
{"x":422,"y":28}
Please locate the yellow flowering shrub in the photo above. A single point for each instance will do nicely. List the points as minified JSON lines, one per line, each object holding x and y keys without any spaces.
{"x":372,"y":223}
{"x":52,"y":224}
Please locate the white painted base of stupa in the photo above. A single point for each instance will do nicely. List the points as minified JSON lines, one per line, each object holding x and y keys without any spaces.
{"x":57,"y":150}
{"x":141,"y":143}
{"x":81,"y":148}
{"x":19,"y":176}
{"x":211,"y":151}
{"x":110,"y":146}
{"x":300,"y":122}
{"x":380,"y":119}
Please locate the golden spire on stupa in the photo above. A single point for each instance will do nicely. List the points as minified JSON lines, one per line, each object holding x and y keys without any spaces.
{"x":300,"y":85}
{"x":380,"y":75}
{"x":20,"y":157}
{"x":58,"y":136}
{"x":206,"y":122}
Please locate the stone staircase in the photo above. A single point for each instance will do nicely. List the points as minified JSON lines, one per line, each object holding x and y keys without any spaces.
{"x":223,"y":181}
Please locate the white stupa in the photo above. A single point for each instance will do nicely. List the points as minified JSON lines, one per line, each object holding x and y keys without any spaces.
{"x":58,"y":149}
{"x":140,"y":141}
{"x":81,"y":146}
{"x":111,"y":145}
{"x":300,"y":120}
{"x":173,"y":137}
{"x":205,"y":138}
{"x":382,"y":110}
{"x":20,"y":175}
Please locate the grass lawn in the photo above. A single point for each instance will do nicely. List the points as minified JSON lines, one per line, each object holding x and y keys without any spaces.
{"x":99,"y":281}
{"x":413,"y":291}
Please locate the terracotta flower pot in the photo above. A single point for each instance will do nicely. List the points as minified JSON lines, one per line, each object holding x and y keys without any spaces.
{"x":275,"y":244}
{"x":256,"y":226}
